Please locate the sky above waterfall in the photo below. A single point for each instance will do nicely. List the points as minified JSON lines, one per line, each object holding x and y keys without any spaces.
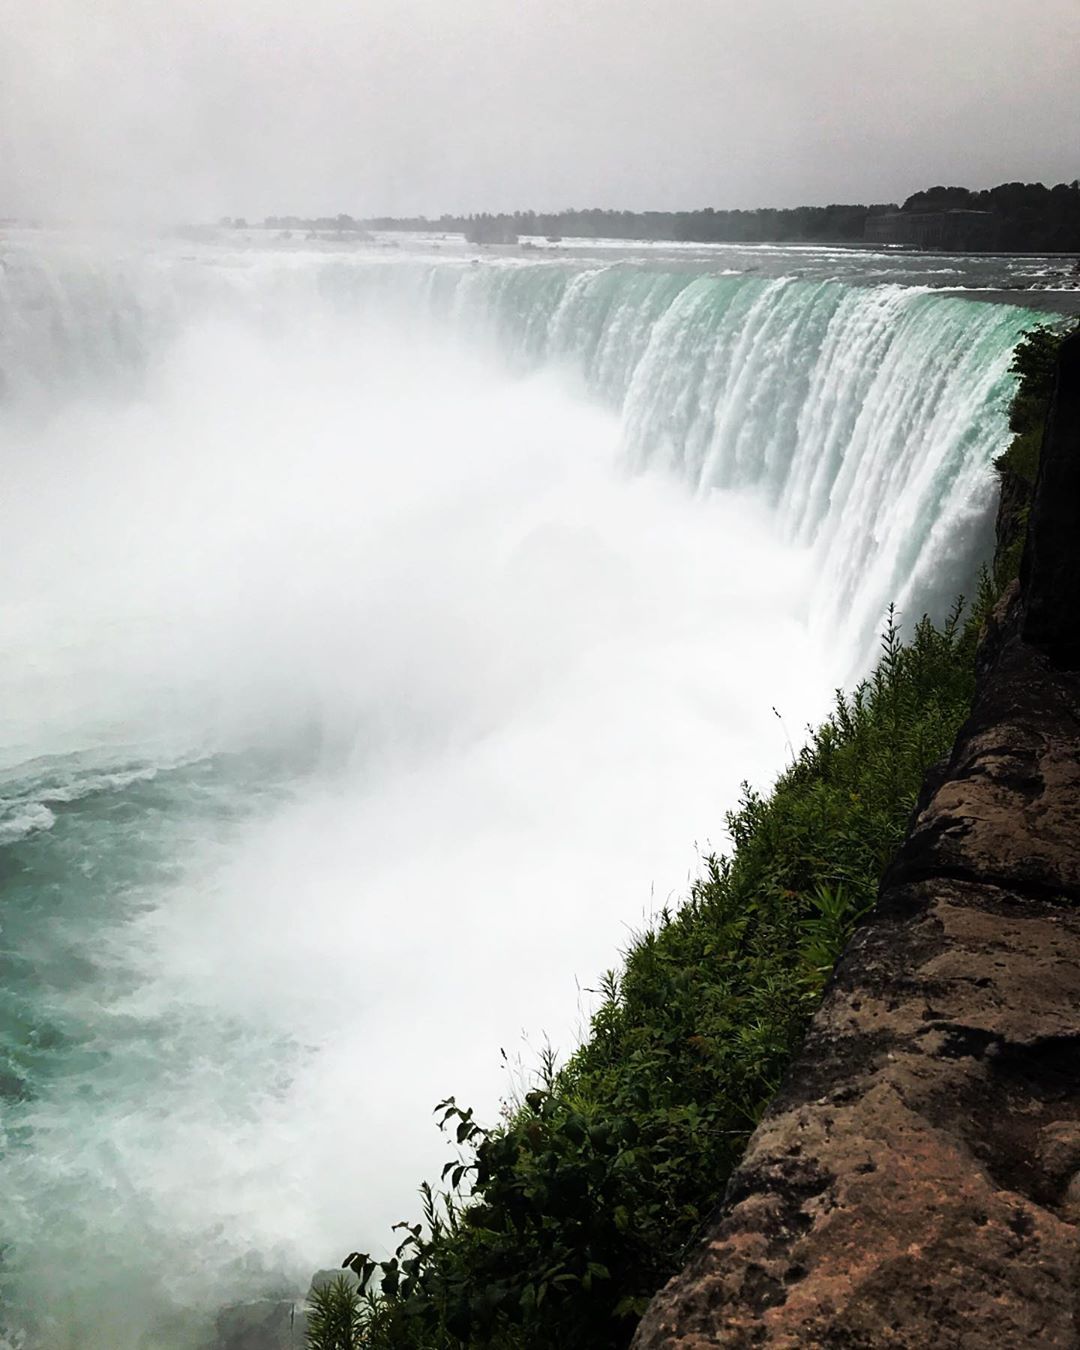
{"x":187,"y":109}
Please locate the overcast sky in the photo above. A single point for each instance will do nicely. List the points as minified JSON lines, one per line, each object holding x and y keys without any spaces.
{"x":197,"y":108}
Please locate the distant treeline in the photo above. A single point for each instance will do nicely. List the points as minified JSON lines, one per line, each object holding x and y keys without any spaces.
{"x":839,"y":223}
{"x":1030,"y":217}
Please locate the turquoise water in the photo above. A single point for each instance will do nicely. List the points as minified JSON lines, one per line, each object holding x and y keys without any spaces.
{"x":75,"y":1033}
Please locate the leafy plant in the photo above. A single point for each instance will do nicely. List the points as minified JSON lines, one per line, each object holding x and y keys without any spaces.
{"x":335,"y":1317}
{"x":828,"y":926}
{"x":1034,"y":361}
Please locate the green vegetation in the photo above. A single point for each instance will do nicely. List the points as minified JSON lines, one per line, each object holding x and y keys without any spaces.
{"x":335,"y":1317}
{"x":1034,"y":361}
{"x":559,"y":1223}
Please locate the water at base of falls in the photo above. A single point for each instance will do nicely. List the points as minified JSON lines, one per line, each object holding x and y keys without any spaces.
{"x":379,"y":643}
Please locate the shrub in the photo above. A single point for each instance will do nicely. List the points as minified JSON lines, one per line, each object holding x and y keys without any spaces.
{"x":1035,"y":362}
{"x":338,"y":1315}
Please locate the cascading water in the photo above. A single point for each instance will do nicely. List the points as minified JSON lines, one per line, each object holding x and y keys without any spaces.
{"x":378,"y":630}
{"x":865,"y":417}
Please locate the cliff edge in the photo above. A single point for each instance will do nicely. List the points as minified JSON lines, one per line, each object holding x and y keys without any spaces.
{"x":916,"y":1183}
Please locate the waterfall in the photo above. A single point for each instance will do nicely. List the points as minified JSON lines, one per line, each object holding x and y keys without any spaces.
{"x":381,"y":630}
{"x":866,"y":417}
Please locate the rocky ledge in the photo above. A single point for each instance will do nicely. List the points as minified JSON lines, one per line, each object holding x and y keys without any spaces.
{"x":917,"y":1181}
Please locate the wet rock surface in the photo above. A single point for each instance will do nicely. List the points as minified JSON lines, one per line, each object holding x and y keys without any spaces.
{"x":917,"y":1181}
{"x":263,"y":1324}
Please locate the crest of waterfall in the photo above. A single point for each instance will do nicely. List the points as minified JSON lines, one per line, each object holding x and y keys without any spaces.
{"x":866,"y":416}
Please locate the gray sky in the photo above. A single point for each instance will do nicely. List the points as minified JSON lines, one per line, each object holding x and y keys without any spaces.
{"x":196,"y":108}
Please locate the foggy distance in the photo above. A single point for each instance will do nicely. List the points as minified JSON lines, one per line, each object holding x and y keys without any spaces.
{"x":125,"y":110}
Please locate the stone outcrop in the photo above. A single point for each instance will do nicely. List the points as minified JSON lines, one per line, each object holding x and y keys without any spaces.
{"x":272,"y":1323}
{"x":263,"y":1324}
{"x":917,"y":1181}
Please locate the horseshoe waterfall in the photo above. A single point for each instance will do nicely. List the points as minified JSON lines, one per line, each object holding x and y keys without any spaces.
{"x":383,"y":628}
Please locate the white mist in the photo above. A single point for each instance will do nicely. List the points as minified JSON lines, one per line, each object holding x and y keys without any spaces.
{"x":516,"y":685}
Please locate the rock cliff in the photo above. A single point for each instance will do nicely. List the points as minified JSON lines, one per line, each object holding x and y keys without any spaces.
{"x":917,"y":1181}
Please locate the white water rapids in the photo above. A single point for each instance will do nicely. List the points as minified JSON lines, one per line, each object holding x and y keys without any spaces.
{"x":379,"y":636}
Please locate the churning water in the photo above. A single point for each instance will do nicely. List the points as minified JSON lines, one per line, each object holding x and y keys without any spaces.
{"x":380,"y":632}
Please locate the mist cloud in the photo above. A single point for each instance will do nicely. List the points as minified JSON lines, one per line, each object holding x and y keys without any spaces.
{"x":187,"y":110}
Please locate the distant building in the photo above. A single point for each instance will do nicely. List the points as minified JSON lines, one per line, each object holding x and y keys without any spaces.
{"x":951,"y":231}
